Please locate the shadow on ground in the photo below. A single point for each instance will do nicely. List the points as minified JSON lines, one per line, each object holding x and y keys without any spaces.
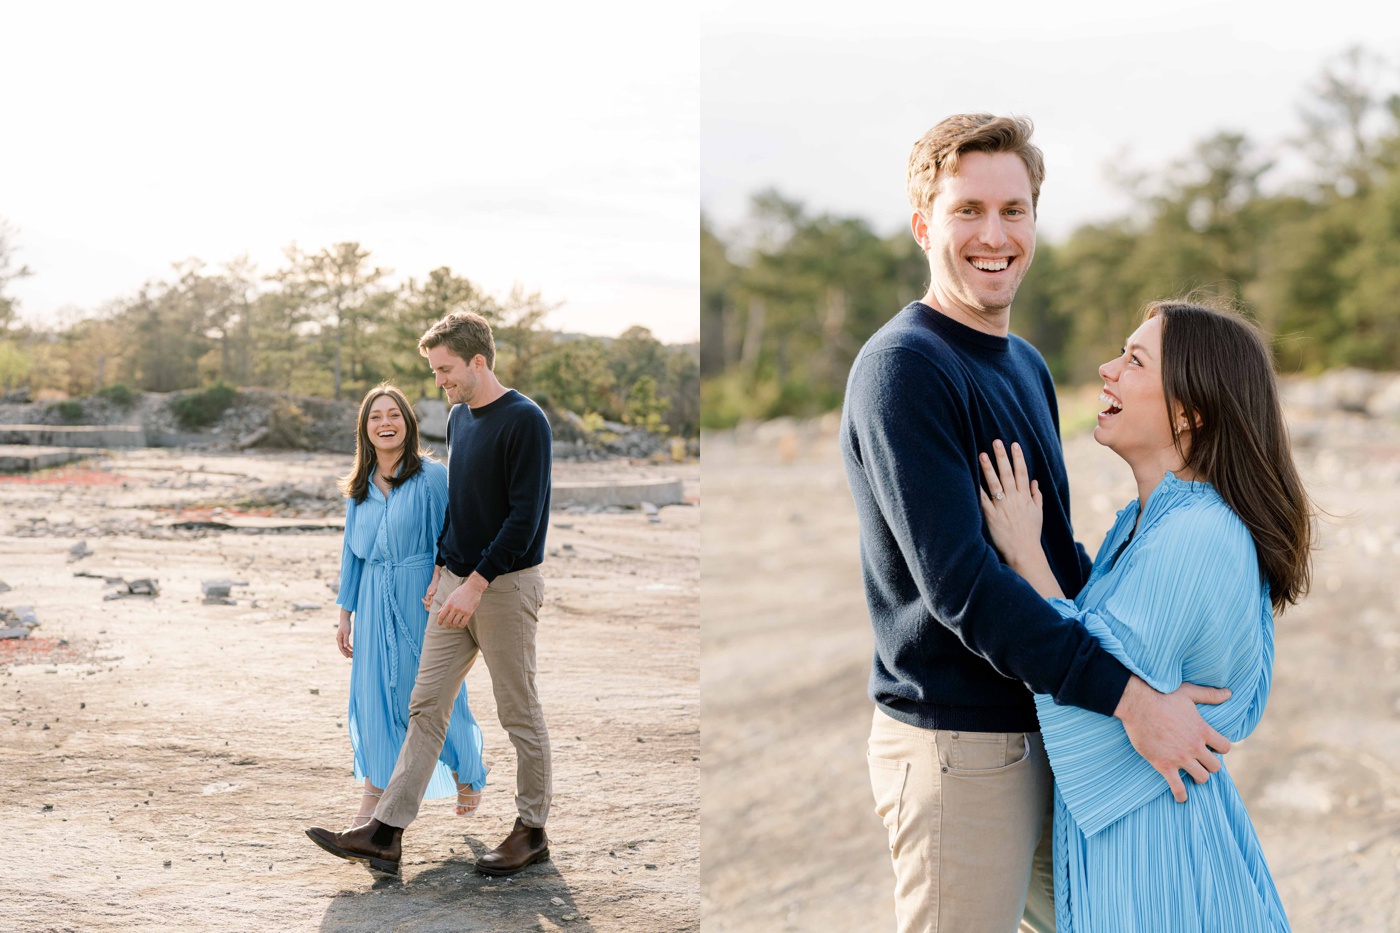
{"x":452,"y":895}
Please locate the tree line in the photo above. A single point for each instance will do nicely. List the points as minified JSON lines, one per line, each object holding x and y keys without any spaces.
{"x":789,"y":296}
{"x":328,"y":323}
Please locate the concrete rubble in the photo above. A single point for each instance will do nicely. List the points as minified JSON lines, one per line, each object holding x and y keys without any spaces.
{"x":18,"y":622}
{"x":146,"y":586}
{"x":79,"y":551}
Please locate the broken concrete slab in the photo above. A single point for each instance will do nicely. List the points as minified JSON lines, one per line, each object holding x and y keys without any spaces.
{"x":146,"y":586}
{"x":217,"y":588}
{"x":305,"y":607}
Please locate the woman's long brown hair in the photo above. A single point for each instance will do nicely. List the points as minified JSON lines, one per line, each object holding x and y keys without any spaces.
{"x":1216,"y":366}
{"x":356,"y":484}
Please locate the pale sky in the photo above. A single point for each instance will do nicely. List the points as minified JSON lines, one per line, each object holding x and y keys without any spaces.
{"x":557,"y":147}
{"x":826,"y":106}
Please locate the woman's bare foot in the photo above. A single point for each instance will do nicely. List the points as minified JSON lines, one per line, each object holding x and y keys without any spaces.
{"x":467,"y":799}
{"x":368,"y":801}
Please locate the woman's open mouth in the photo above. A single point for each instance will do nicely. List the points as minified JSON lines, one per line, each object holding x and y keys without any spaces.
{"x":1114,"y":406}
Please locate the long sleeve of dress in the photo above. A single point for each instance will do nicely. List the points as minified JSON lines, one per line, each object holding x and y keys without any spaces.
{"x":351,"y":565}
{"x":1187,"y":606}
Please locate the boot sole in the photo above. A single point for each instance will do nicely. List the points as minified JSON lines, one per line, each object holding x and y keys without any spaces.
{"x":541,"y":856}
{"x":378,"y":864}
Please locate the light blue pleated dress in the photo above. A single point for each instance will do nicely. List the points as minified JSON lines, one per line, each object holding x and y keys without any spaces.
{"x":385,"y":568}
{"x":1180,"y":600}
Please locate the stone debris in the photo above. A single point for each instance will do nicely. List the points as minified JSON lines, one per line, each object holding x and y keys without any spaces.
{"x":217,"y":588}
{"x":305,"y":607}
{"x":146,"y":586}
{"x":17,"y":622}
{"x":4,"y":587}
{"x":334,"y":585}
{"x":79,"y":551}
{"x":109,"y":580}
{"x":652,"y":512}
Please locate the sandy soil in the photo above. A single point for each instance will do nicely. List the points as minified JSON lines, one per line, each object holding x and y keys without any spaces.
{"x":790,"y":837}
{"x":161,"y":757}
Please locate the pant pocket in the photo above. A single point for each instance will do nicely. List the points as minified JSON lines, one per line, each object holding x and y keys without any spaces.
{"x":887,"y":780}
{"x":973,"y":752}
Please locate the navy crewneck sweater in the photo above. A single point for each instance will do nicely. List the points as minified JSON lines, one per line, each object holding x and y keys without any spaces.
{"x":959,"y":636}
{"x":498,"y":483}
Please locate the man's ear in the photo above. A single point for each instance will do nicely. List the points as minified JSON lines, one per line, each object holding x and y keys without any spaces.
{"x":919,"y":226}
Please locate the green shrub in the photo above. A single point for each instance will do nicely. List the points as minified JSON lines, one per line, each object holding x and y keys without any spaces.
{"x":200,"y":409}
{"x":120,"y":395}
{"x":288,"y":427}
{"x":71,"y":410}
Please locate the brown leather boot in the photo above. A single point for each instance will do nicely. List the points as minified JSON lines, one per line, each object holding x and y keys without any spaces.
{"x":358,"y":845}
{"x":525,"y":845}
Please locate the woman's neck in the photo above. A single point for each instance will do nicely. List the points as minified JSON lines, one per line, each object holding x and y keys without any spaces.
{"x":1148,"y":473}
{"x":387,"y":461}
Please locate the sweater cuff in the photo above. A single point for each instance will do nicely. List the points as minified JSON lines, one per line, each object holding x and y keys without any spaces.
{"x":1097,"y":685}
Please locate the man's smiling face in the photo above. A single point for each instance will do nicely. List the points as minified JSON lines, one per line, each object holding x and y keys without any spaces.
{"x":981,"y":235}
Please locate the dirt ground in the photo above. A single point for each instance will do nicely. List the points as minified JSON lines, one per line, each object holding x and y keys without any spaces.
{"x":790,"y":837}
{"x":161,"y":757}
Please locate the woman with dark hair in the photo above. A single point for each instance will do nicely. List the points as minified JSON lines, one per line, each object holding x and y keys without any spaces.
{"x":396,"y":499}
{"x":1183,"y":590}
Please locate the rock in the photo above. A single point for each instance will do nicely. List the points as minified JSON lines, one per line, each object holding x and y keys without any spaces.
{"x":305,"y":607}
{"x":220,"y":601}
{"x":79,"y":551}
{"x":652,"y":512}
{"x":557,"y":901}
{"x":27,"y":616}
{"x":1386,"y":402}
{"x":14,"y":631}
{"x":216,"y":588}
{"x":146,"y":586}
{"x":253,"y":439}
{"x":4,"y":587}
{"x":334,"y":585}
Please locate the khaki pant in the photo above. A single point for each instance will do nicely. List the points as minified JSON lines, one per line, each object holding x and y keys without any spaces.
{"x":968,"y":815}
{"x":502,"y":629}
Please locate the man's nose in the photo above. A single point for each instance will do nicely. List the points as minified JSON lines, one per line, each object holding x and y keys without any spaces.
{"x":993,"y":233}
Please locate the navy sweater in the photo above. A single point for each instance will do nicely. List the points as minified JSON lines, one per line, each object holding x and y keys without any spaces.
{"x":959,"y":636}
{"x":498,"y":481}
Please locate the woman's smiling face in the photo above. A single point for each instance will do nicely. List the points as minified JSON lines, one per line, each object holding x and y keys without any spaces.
{"x":385,"y":425}
{"x":1135,"y":424}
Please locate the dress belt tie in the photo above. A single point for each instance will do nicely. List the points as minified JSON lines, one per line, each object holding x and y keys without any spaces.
{"x":389,"y":603}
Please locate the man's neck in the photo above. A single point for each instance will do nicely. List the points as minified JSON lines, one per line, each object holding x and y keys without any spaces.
{"x":996,"y":323}
{"x":489,"y":394}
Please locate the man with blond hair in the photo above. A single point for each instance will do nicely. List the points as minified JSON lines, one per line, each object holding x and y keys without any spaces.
{"x":484,"y":597}
{"x":958,"y":770}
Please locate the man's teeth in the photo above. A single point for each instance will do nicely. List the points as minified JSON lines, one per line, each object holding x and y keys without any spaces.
{"x":991,"y":265}
{"x":1113,"y":403}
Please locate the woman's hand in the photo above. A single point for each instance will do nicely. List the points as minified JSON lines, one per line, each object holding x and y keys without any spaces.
{"x":342,"y":635}
{"x":432,"y":588}
{"x":1011,"y":504}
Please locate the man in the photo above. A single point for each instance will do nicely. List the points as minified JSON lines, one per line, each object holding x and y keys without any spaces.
{"x":956,"y":762}
{"x":485,"y":596}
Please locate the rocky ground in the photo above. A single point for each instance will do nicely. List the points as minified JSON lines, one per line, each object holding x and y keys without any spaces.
{"x":162,"y":756}
{"x":790,"y":837}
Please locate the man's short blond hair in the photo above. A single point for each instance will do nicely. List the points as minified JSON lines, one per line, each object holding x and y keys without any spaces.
{"x":935,"y":155}
{"x":465,"y":333}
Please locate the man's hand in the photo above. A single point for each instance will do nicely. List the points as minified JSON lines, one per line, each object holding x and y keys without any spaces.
{"x":1169,"y":732}
{"x":458,"y":607}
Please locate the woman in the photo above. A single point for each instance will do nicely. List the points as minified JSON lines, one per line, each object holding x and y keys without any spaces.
{"x":395,"y":503}
{"x":1183,"y":590}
